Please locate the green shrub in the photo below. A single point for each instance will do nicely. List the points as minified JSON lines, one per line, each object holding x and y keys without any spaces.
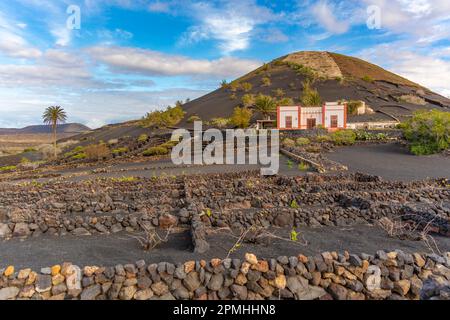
{"x":8,"y":168}
{"x":286,"y":102}
{"x":169,"y":144}
{"x":124,"y":179}
{"x":143,"y":138}
{"x":194,"y":118}
{"x":241,"y":117}
{"x":155,"y":151}
{"x":29,"y":150}
{"x":279,"y":93}
{"x":344,"y":137}
{"x":220,"y":122}
{"x":75,"y":152}
{"x":163,"y":119}
{"x":79,"y":156}
{"x":120,"y":150}
{"x":289,"y":143}
{"x":323,"y":138}
{"x":339,"y":79}
{"x":302,"y":142}
{"x":279,"y":63}
{"x":353,"y":106}
{"x":368,"y":79}
{"x":362,"y":135}
{"x":428,"y":132}
{"x":294,"y":204}
{"x":266,"y":81}
{"x":303,"y":166}
{"x":248,"y":100}
{"x":381,"y":136}
{"x":247,"y":86}
{"x":290,"y":164}
{"x":303,"y":70}
{"x":234,"y":86}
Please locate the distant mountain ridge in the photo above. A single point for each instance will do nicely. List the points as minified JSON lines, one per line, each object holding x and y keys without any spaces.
{"x":46,"y":129}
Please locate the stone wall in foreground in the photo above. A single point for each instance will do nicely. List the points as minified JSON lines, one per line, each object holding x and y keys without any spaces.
{"x":236,"y":200}
{"x":385,"y":275}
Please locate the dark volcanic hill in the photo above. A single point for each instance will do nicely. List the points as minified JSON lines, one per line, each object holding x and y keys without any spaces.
{"x":335,"y":76}
{"x":68,"y":128}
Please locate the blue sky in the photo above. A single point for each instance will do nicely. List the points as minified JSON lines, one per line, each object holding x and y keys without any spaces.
{"x":133,"y":56}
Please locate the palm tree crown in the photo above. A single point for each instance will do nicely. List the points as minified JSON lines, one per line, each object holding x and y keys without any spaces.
{"x":265,"y":104}
{"x":53,"y":116}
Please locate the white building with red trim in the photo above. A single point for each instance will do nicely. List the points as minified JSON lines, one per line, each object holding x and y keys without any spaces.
{"x":332,"y":116}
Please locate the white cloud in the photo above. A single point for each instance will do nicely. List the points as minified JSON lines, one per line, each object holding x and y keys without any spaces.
{"x":132,"y":60}
{"x":22,"y":25}
{"x":111,"y":36}
{"x":425,"y":20}
{"x":231,"y":23}
{"x":62,"y":35}
{"x":324,"y":15}
{"x":24,"y":107}
{"x":13,"y":43}
{"x":54,"y":68}
{"x":158,"y":6}
{"x":274,"y":36}
{"x":15,"y":46}
{"x":430,"y":71}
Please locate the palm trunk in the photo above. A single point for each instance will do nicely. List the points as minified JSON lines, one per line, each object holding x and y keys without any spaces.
{"x":54,"y":139}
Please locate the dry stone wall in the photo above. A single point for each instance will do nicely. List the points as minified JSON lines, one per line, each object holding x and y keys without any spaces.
{"x":327,"y":276}
{"x":228,"y":200}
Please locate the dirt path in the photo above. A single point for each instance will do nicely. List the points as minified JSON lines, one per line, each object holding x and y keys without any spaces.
{"x":159,"y":168}
{"x":109,"y":250}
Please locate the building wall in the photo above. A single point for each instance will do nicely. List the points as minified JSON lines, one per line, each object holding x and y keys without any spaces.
{"x":372,"y":125}
{"x":333,"y":109}
{"x":322,"y":115}
{"x":311,"y":113}
{"x":286,"y":112}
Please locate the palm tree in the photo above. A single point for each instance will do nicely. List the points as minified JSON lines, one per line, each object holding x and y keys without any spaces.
{"x":265,"y":104}
{"x":310,"y":97}
{"x":54,"y":116}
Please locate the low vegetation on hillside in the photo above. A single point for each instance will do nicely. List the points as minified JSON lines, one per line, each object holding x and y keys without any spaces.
{"x":413,"y":99}
{"x":163,"y":119}
{"x":353,"y":106}
{"x":241,"y":117}
{"x":428,"y":132}
{"x":97,"y":151}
